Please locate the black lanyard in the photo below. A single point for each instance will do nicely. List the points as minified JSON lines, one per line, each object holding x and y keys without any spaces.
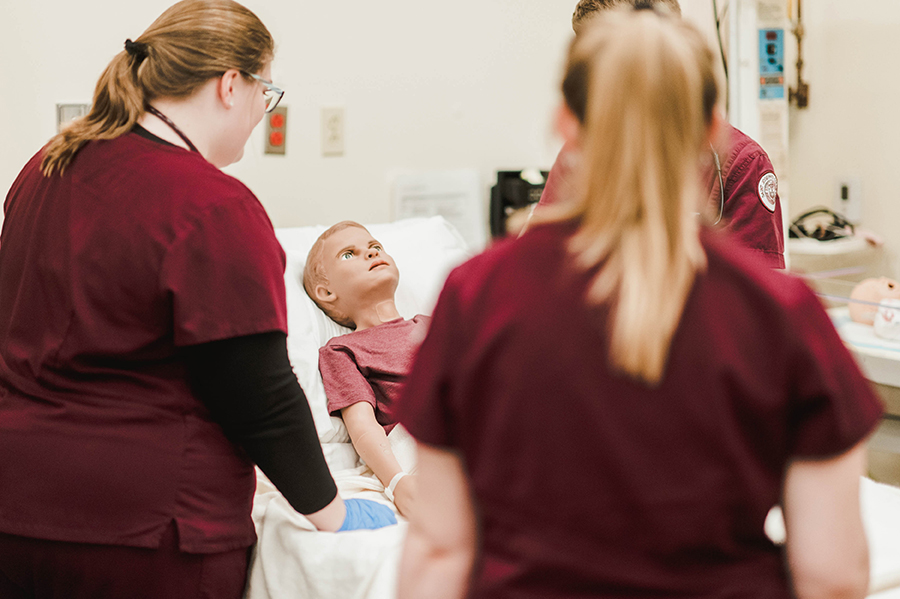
{"x":169,"y":122}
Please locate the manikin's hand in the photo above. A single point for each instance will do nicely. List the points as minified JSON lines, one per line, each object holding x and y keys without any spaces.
{"x":405,"y":494}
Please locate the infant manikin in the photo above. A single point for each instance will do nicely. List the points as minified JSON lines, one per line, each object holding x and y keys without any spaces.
{"x":877,"y":302}
{"x":868,"y":294}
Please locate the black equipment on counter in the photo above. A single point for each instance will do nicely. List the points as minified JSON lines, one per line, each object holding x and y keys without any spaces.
{"x":513,"y":197}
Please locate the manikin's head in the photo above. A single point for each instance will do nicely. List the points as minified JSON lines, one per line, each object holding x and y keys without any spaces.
{"x":348,"y":271}
{"x":868,"y":294}
{"x":587,"y":9}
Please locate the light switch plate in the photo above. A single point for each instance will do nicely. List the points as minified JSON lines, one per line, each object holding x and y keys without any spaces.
{"x":68,"y":112}
{"x":333,"y":131}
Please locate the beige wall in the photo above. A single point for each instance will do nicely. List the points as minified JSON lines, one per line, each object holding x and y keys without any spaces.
{"x":852,"y":125}
{"x":468,"y":84}
{"x":424,"y":85}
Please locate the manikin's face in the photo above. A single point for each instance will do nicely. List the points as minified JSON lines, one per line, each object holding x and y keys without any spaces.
{"x":358,"y":269}
{"x":868,"y":294}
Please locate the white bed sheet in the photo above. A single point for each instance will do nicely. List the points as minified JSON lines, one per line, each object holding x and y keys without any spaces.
{"x":881,"y":516}
{"x":292,"y":559}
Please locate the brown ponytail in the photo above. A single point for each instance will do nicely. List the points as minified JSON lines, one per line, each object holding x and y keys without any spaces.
{"x":189,"y":44}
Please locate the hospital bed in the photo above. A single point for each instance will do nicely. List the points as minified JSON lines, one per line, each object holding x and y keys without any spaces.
{"x":291,"y":559}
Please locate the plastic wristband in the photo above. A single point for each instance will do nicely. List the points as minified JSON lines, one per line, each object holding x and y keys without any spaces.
{"x":389,"y":490}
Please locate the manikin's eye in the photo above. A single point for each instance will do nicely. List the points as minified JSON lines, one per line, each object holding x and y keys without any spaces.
{"x":347,"y":255}
{"x":377,"y":247}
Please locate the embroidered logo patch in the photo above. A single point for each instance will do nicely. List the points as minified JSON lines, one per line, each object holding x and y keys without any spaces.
{"x":768,"y":191}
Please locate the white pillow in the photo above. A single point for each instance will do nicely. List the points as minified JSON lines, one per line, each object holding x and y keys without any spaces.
{"x":425,"y":249}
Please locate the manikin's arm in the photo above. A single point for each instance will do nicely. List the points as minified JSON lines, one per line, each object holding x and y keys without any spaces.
{"x":372,"y":445}
{"x":441,"y":542}
{"x":826,"y":544}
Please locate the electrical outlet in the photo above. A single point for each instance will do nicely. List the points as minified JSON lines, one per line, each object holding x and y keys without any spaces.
{"x":848,"y":198}
{"x":333,"y":131}
{"x":276,"y":131}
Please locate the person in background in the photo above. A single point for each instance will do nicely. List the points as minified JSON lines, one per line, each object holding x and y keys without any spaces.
{"x":350,"y":276}
{"x":743,"y":187}
{"x":610,"y":404}
{"x":143,"y":360}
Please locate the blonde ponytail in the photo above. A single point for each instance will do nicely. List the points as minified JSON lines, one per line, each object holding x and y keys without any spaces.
{"x":189,"y":44}
{"x":645,"y":87}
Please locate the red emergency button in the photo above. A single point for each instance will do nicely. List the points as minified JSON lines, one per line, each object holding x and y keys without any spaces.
{"x":276,"y":139}
{"x":276,"y":121}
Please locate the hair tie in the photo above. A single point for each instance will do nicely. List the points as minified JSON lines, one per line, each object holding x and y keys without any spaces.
{"x":137,"y":49}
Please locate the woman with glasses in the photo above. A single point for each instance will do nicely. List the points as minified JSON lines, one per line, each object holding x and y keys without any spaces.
{"x":143,"y":360}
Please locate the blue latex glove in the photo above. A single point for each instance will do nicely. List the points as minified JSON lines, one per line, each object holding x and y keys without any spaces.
{"x":365,"y":513}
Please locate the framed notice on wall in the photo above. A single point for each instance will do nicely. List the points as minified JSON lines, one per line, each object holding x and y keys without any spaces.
{"x":454,"y":194}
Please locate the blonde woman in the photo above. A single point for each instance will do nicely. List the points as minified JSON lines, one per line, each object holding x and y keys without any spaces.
{"x":740,"y":178}
{"x":609,"y":405}
{"x":143,"y":362}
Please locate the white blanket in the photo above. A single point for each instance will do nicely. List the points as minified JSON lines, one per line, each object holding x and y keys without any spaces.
{"x":293,"y":560}
{"x":881,"y":516}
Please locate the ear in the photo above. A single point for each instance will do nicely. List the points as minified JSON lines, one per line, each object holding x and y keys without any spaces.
{"x":323,"y":294}
{"x":567,"y":125}
{"x":716,"y":128}
{"x":225,"y":90}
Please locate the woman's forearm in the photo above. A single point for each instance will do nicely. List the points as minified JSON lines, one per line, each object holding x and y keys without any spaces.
{"x":441,"y":543}
{"x":250,"y":389}
{"x":331,"y":517}
{"x":431,"y":571}
{"x":826,"y":543}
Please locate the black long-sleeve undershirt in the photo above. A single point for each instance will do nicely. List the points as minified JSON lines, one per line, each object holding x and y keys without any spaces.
{"x":250,"y":389}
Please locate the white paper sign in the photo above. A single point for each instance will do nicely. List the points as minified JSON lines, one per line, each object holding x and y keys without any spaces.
{"x":453,"y":194}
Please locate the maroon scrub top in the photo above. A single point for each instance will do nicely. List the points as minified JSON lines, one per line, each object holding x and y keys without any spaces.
{"x":589,"y":484}
{"x":752,"y":210}
{"x":106,"y":272}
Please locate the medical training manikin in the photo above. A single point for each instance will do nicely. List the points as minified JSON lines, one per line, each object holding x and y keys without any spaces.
{"x":877,"y":302}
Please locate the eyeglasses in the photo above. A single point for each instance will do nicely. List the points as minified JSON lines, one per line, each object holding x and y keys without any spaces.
{"x":272,"y":94}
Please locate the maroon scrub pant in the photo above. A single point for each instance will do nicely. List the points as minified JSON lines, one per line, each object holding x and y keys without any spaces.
{"x":37,"y":569}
